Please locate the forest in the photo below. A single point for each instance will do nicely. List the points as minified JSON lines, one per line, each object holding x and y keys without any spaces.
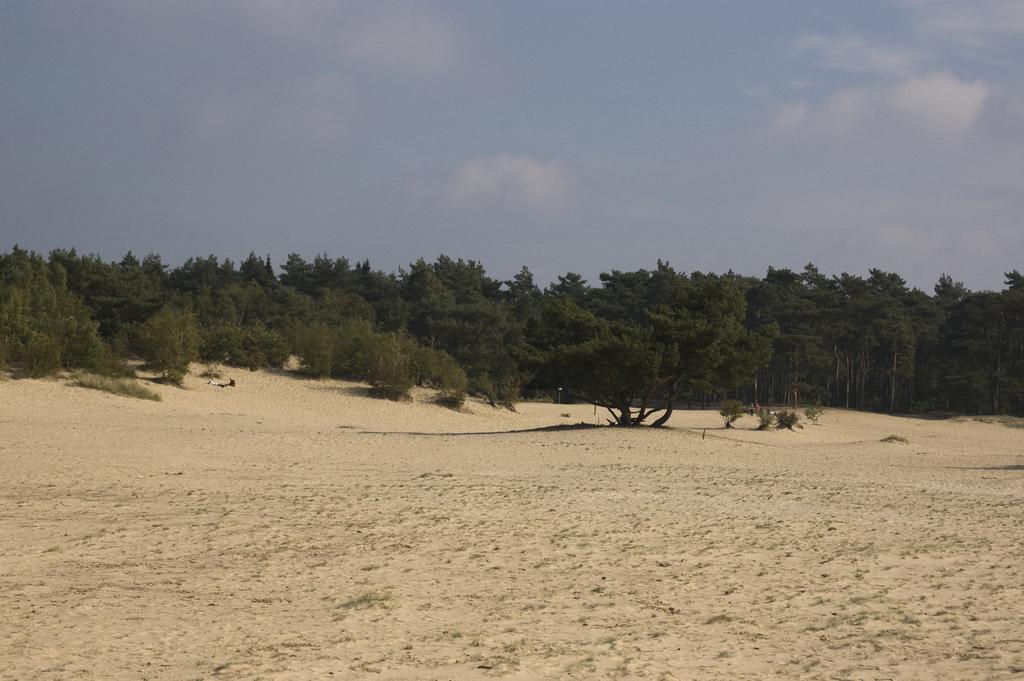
{"x":637,"y":343}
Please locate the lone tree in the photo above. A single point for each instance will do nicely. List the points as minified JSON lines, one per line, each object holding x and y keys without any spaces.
{"x":650,"y":337}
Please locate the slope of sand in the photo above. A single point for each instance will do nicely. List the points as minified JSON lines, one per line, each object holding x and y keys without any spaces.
{"x":296,"y":529}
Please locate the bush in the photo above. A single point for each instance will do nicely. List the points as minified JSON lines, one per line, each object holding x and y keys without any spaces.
{"x":787,"y":419}
{"x":765,"y":418}
{"x":731,"y":411}
{"x":352,"y":342}
{"x":261,"y":348}
{"x":314,"y":345}
{"x":386,"y":392}
{"x":389,"y":368}
{"x":814,"y":412}
{"x":40,"y":356}
{"x":483,"y":385}
{"x":169,"y":341}
{"x":895,"y":439}
{"x":452,"y":401}
{"x":503,"y":392}
{"x":252,"y":347}
{"x":437,"y":369}
{"x":81,"y":345}
{"x":110,"y":362}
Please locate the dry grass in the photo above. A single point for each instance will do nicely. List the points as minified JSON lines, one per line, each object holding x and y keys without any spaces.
{"x":118,"y":386}
{"x":896,"y":439}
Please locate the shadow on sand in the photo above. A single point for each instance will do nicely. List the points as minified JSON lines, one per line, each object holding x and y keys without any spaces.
{"x":539,"y":429}
{"x":1010,"y":467}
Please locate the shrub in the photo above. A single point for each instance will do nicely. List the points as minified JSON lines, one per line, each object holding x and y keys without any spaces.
{"x":117,"y":386}
{"x":483,"y":385}
{"x":253,"y":347}
{"x":503,"y":392}
{"x":315,"y":347}
{"x":352,"y":342}
{"x":787,"y":419}
{"x":731,"y":411}
{"x":386,"y":392}
{"x":814,"y":412}
{"x":765,"y":417}
{"x":40,"y":356}
{"x":388,"y":368}
{"x":210,"y":372}
{"x":110,"y":362}
{"x":452,"y":401}
{"x":80,"y":341}
{"x":169,"y":341}
{"x":437,"y":369}
{"x":262,"y":347}
{"x":896,"y":439}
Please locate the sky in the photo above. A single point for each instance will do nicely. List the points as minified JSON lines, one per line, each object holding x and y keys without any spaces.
{"x":564,"y":135}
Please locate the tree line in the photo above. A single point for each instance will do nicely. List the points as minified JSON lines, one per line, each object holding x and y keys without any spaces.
{"x":637,"y":343}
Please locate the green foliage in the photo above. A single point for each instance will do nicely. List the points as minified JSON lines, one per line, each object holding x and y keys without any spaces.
{"x":787,"y":420}
{"x":389,"y":368}
{"x":731,"y":411}
{"x":648,"y":337}
{"x":612,"y":371}
{"x":790,"y":337}
{"x":43,"y":326}
{"x":353,"y":341}
{"x":314,"y":345}
{"x":39,"y":355}
{"x":253,"y":347}
{"x":765,"y":418}
{"x":169,"y":341}
{"x":503,"y":392}
{"x":814,"y":412}
{"x":438,"y":370}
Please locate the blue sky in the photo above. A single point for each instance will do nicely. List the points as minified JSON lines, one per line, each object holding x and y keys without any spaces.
{"x":568,"y":136}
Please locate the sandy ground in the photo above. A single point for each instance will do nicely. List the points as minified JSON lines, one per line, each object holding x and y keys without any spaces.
{"x":296,"y":529}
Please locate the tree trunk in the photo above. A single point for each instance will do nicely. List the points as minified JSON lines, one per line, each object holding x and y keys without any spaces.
{"x":892,"y":392}
{"x":625,"y":410}
{"x":661,"y":420}
{"x":847,"y":381}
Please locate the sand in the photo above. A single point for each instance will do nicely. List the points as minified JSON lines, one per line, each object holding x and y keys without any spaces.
{"x":297,"y":529}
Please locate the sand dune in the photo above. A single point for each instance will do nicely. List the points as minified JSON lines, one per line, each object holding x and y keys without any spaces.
{"x":296,"y":529}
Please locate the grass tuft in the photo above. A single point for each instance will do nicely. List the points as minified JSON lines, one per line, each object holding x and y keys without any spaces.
{"x":116,"y":386}
{"x":370,"y":599}
{"x":895,"y":439}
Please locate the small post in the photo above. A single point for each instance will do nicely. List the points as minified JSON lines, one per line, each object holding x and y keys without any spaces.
{"x":559,"y":394}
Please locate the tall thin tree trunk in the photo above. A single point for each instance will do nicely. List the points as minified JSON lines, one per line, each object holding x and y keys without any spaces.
{"x":892,"y":391}
{"x":847,"y":380}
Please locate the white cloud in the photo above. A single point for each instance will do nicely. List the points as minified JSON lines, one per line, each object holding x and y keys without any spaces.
{"x":405,"y":36}
{"x":975,"y":23}
{"x":519,"y":179}
{"x":401,"y":35}
{"x":847,"y":109}
{"x":790,"y":116}
{"x":939,"y":101}
{"x":409,"y":39}
{"x":315,"y":111}
{"x":857,"y":55}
